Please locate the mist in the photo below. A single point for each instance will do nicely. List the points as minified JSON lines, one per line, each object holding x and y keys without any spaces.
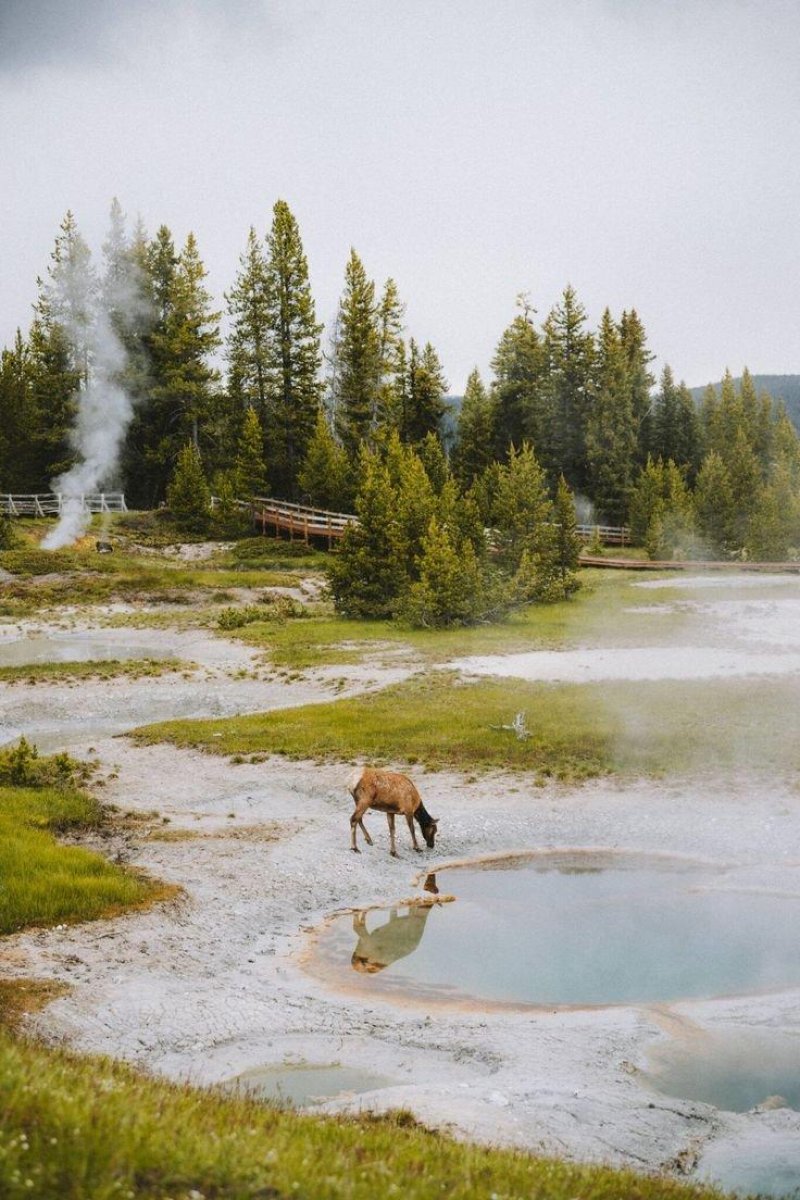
{"x":93,"y":318}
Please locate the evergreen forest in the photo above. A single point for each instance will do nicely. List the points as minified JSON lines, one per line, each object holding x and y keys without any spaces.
{"x":571,"y":416}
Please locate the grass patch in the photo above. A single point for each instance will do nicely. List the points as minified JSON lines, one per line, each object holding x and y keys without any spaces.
{"x":433,"y":720}
{"x":54,"y":672}
{"x":577,"y":731}
{"x":42,"y":881}
{"x":86,"y":1129}
{"x":597,"y":615}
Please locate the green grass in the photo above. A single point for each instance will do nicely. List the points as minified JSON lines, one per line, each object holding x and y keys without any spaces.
{"x":432,"y":720}
{"x":54,"y":672}
{"x":594,"y":616}
{"x":44,"y":882}
{"x":577,"y":730}
{"x":88,"y":1129}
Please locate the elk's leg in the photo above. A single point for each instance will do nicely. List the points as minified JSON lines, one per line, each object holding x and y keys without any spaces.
{"x":410,"y":820}
{"x":365,"y":832}
{"x":392,"y":847}
{"x":355,"y":820}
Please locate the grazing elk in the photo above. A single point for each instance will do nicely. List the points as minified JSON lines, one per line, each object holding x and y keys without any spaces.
{"x":394,"y":794}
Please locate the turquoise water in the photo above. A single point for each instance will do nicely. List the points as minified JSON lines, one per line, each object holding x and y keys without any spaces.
{"x":577,"y":928}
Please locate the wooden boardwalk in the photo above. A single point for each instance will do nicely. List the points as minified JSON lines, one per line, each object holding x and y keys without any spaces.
{"x":696,"y":565}
{"x":299,"y":520}
{"x":304,"y":522}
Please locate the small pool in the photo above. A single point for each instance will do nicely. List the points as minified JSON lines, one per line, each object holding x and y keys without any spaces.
{"x":305,"y":1085}
{"x":76,"y":647}
{"x":572,"y":928}
{"x":734,"y":1071}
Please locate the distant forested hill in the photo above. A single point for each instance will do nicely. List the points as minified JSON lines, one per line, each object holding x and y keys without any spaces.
{"x":782,"y":387}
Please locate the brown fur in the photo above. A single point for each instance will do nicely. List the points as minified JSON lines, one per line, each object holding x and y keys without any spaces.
{"x":394,"y":794}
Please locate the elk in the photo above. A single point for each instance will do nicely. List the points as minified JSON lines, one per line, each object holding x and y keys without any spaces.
{"x":394,"y":794}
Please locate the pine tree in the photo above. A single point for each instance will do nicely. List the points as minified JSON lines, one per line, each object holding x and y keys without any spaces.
{"x":640,"y":381}
{"x":188,"y":495}
{"x":569,"y":349}
{"x":434,"y":460}
{"x":67,"y":298}
{"x":425,"y":405}
{"x":475,"y":435}
{"x":389,"y":405}
{"x":774,"y":527}
{"x":248,"y":343}
{"x":715,"y":506}
{"x":325,"y":476}
{"x":183,"y":342}
{"x":566,"y":545}
{"x":149,"y":452}
{"x":23,"y":467}
{"x":521,"y":402}
{"x":449,"y":587}
{"x":415,"y":499}
{"x":646,"y":500}
{"x":58,"y":353}
{"x":294,"y":387}
{"x":368,"y":574}
{"x":611,"y":433}
{"x":357,"y":358}
{"x":251,"y":471}
{"x":522,"y":508}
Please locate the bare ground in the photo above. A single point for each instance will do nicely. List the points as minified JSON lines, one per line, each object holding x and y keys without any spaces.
{"x":217,"y":982}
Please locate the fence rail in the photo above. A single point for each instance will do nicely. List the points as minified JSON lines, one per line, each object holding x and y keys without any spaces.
{"x":53,"y":504}
{"x":299,"y":520}
{"x":609,"y":535}
{"x":306,"y":522}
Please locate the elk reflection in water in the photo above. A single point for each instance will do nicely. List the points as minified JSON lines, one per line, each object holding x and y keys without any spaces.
{"x":395,"y":939}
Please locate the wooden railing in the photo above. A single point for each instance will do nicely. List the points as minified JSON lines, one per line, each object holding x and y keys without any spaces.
{"x":299,"y":520}
{"x":53,"y":504}
{"x":609,"y":535}
{"x":303,"y":521}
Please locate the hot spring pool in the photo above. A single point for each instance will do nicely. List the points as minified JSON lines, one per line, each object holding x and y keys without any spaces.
{"x":572,"y":928}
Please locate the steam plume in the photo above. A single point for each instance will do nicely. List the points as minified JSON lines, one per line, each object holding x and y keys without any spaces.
{"x":93,"y":320}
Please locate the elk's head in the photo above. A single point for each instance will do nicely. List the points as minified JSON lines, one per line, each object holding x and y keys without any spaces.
{"x":429,"y":832}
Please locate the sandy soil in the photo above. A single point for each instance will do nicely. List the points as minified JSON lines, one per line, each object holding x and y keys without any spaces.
{"x":218,"y":982}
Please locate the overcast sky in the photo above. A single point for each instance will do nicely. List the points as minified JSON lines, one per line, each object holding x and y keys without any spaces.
{"x":644,"y":150}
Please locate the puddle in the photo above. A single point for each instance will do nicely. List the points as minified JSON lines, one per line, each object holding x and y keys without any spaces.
{"x":304,"y":1086}
{"x":733,"y":1071}
{"x":75,"y":647}
{"x":572,"y":928}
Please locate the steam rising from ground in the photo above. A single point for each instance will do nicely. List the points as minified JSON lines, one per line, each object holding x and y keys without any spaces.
{"x":94,"y":318}
{"x":104,"y":411}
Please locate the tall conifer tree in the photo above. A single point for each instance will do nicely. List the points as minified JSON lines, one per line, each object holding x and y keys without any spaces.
{"x":357,"y":355}
{"x":294,"y":387}
{"x":570,"y":353}
{"x":475,"y":434}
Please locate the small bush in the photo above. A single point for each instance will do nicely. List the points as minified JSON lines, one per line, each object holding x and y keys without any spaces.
{"x":30,"y":560}
{"x":21,"y":766}
{"x":278,"y":608}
